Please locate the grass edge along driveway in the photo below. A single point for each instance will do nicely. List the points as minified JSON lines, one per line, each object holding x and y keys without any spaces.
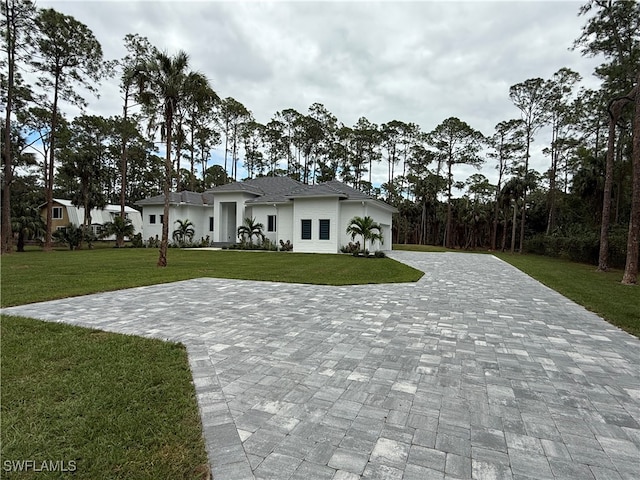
{"x":38,"y":276}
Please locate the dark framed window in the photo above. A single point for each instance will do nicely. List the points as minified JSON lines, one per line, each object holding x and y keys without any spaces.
{"x":211,"y":224}
{"x":306,"y":229}
{"x":324,"y":229}
{"x":152,"y":219}
{"x":161,"y":218}
{"x":57,"y":213}
{"x":271,"y":223}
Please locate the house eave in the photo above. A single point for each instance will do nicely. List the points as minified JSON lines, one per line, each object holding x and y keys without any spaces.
{"x":374,"y":201}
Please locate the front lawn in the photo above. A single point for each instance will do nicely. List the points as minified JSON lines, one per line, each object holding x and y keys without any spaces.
{"x":97,"y":404}
{"x":36,"y":276}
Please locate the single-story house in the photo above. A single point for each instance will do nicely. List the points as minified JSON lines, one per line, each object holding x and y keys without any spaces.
{"x":314,"y":218}
{"x":64,"y":213}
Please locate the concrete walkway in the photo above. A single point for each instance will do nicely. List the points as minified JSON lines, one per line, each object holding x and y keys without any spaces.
{"x":476,"y":371}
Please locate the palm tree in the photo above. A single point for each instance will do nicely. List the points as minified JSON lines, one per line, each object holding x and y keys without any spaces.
{"x":71,"y":235}
{"x":120,"y":227}
{"x":27,"y":224}
{"x":250,"y":229}
{"x":164,"y":84}
{"x":185,"y":231}
{"x":366,"y":228}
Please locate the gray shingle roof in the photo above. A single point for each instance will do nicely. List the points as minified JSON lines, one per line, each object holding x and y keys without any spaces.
{"x":175,"y":198}
{"x":261,"y":186}
{"x":332,"y":188}
{"x":266,"y":190}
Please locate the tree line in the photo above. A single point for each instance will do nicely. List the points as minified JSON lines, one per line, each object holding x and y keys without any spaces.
{"x":585,"y":204}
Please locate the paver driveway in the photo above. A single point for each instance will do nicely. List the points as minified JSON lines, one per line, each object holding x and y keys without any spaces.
{"x":475,"y":371}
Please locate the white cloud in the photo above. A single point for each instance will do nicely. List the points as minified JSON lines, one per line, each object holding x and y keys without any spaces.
{"x":418,"y":62}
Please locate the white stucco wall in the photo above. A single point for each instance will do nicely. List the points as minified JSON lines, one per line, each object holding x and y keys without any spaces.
{"x":197,"y":215}
{"x":284,"y":226}
{"x":381,"y":215}
{"x":315,"y":209}
{"x":150,"y":230}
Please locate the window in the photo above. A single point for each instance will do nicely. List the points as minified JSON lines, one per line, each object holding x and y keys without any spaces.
{"x":152,"y":219}
{"x":271,"y":223}
{"x":161,"y":218}
{"x":57,"y":213}
{"x":211,"y":224}
{"x":306,"y":229}
{"x":324,"y":229}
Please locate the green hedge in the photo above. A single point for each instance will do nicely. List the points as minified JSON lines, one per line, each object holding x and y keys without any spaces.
{"x":581,"y":247}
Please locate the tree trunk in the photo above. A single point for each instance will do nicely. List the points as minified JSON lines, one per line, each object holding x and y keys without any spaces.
{"x":7,"y":233}
{"x":615,"y":110}
{"x":603,"y":256}
{"x":48,"y":245}
{"x":192,"y":180}
{"x":524,"y":195}
{"x":551,"y":220}
{"x":447,"y":231}
{"x":164,"y":242}
{"x":630,"y":276}
{"x":123,"y":164}
{"x":20,"y":245}
{"x":496,"y":213}
{"x":513,"y":226}
{"x":504,"y":232}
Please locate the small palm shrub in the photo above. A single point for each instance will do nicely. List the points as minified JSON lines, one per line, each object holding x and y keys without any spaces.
{"x":71,"y":235}
{"x":286,"y":246}
{"x":183,"y":235}
{"x":250,"y":229}
{"x":121,"y":228}
{"x":351,"y":248}
{"x":136,"y":241}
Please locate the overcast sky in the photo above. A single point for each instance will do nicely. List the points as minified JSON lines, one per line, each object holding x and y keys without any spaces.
{"x":418,"y":62}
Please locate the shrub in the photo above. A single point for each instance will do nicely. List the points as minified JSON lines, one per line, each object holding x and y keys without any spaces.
{"x":153,"y":242}
{"x":71,"y":235}
{"x":580,"y":246}
{"x":351,"y":248}
{"x":136,"y":241}
{"x":286,"y":246}
{"x":380,"y":254}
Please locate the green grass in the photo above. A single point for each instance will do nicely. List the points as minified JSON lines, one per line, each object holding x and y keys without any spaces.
{"x":35,"y":276}
{"x":599,"y":292}
{"x":112,"y":406}
{"x":420,"y":248}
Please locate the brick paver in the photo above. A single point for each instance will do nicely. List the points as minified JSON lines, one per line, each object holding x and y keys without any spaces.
{"x":476,"y":371}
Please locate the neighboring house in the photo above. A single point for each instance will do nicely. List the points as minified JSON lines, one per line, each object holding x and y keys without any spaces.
{"x":64,"y":213}
{"x":314,"y":218}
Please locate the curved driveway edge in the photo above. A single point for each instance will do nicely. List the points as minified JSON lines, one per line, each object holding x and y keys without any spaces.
{"x":475,"y":371}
